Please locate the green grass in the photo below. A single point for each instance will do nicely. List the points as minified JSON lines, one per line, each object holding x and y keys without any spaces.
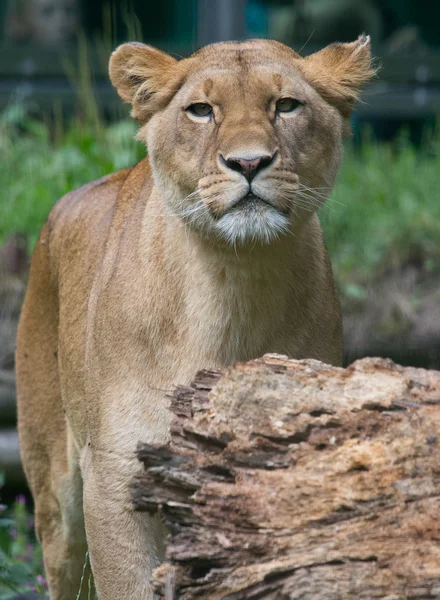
{"x":384,"y":210}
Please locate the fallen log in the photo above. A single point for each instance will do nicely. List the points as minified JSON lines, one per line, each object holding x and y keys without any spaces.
{"x":291,"y":479}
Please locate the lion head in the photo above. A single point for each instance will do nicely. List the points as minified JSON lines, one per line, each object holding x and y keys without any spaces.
{"x":244,"y":138}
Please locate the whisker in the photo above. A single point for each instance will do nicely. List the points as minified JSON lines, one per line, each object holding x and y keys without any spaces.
{"x":333,"y":201}
{"x":307,"y":41}
{"x":314,"y":188}
{"x":314,"y":192}
{"x":307,"y":200}
{"x":328,"y":199}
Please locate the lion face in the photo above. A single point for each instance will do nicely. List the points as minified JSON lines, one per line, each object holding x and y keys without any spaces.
{"x":245,"y":139}
{"x":249,"y":143}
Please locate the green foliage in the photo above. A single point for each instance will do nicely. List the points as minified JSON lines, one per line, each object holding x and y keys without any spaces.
{"x":384,"y":212}
{"x":37,"y":169}
{"x":21,"y":565}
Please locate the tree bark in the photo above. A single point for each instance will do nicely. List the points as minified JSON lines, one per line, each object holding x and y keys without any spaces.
{"x":291,"y":479}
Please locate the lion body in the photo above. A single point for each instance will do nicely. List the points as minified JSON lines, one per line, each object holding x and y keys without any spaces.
{"x":126,"y":298}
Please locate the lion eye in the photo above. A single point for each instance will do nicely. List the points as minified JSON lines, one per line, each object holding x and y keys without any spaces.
{"x":200,"y":109}
{"x":286,"y":105}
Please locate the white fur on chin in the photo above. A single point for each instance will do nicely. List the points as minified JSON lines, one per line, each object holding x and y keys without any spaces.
{"x":259,"y":224}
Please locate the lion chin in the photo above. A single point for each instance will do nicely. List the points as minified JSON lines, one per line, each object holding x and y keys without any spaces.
{"x":252,"y":220}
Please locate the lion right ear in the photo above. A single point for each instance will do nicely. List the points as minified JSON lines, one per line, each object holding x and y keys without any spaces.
{"x":143,"y":76}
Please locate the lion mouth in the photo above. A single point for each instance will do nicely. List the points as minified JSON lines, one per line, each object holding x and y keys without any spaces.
{"x":250,"y":201}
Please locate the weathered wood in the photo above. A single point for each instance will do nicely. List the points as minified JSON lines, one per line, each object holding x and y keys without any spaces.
{"x":291,"y":479}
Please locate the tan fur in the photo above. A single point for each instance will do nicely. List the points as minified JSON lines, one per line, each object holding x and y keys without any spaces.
{"x":142,"y":278}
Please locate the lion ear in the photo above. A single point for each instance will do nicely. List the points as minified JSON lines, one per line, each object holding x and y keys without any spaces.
{"x":143,"y":76}
{"x":339,"y":71}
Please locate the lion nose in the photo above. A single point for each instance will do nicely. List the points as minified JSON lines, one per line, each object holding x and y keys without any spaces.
{"x":249,"y":167}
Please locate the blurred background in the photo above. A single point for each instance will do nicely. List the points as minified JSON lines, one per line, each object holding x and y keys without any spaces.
{"x":62,"y":125}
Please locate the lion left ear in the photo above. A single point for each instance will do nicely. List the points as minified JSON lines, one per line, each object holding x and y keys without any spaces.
{"x":339,"y":71}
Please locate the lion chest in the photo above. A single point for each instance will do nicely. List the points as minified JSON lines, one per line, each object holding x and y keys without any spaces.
{"x":211,"y":322}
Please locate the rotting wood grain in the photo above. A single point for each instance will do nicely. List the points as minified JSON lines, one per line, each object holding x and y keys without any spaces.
{"x":291,"y":479}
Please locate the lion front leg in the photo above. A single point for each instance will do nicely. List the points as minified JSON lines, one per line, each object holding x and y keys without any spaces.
{"x":124,"y":546}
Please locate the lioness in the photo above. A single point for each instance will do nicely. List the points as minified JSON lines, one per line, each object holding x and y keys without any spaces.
{"x":208,"y":253}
